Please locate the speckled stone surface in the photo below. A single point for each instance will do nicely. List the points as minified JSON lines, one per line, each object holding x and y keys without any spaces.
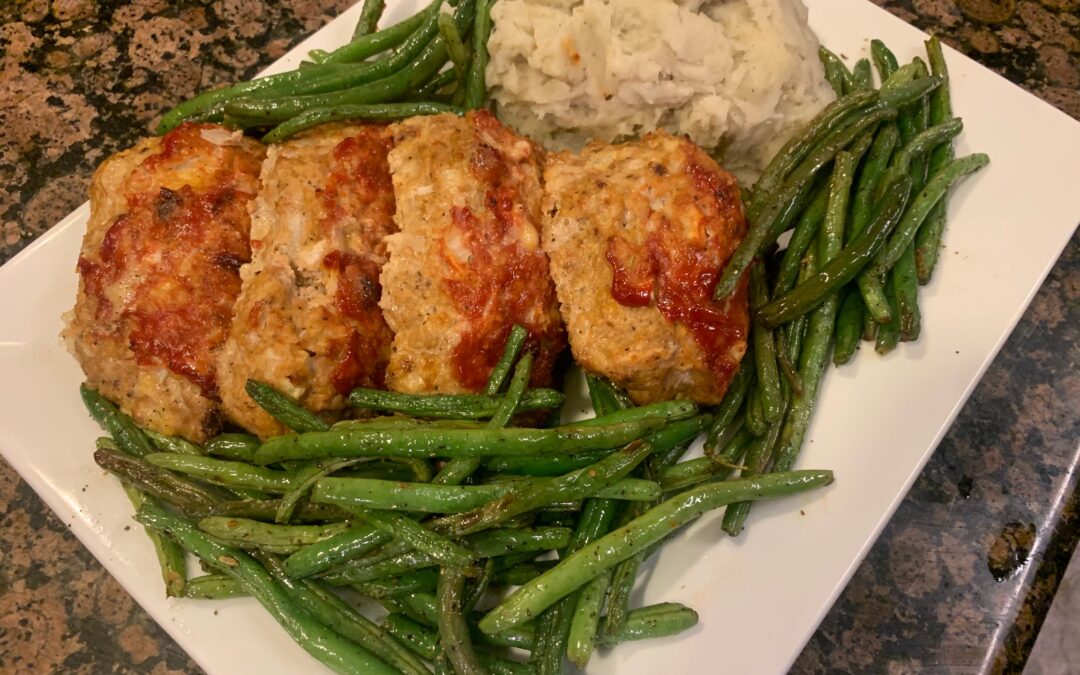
{"x":81,"y":79}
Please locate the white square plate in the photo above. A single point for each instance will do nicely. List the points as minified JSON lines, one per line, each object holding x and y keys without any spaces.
{"x":759,"y":596}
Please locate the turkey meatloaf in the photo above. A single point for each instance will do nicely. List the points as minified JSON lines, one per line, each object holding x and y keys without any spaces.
{"x":637,"y":234}
{"x":467,"y":264}
{"x":308,"y":320}
{"x":159,"y":273}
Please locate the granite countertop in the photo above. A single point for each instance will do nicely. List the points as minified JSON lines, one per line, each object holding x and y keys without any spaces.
{"x":959,"y":581}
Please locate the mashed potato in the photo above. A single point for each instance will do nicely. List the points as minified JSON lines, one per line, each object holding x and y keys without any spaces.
{"x":738,"y":76}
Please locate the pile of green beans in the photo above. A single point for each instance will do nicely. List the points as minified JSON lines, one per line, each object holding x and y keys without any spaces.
{"x":363,"y":505}
{"x":863,"y":190}
{"x":430,"y":63}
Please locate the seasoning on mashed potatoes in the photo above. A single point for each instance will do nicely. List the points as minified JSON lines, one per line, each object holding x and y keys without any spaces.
{"x":738,"y":76}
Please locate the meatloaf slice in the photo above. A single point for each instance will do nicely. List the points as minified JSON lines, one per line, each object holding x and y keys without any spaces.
{"x":159,"y":273}
{"x":308,"y":320}
{"x":467,"y":264}
{"x":637,"y":234}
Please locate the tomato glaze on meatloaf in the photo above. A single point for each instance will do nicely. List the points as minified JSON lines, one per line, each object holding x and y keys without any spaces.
{"x":159,"y":271}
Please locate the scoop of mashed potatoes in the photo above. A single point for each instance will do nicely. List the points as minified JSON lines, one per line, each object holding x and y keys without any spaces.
{"x":738,"y":76}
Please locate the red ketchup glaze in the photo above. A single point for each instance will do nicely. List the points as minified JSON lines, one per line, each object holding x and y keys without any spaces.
{"x":359,"y":186}
{"x":679,"y":273}
{"x":176,"y":255}
{"x":501,"y":283}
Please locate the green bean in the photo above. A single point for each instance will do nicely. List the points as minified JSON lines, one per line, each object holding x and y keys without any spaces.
{"x":873,"y":170}
{"x":755,"y":419}
{"x":553,"y":465}
{"x":122,"y":428}
{"x":654,"y":621}
{"x":934,"y":191}
{"x":240,"y":447}
{"x":457,"y":470}
{"x":906,"y":290}
{"x":475,"y":87}
{"x":575,"y":485}
{"x":450,"y":406}
{"x":210,"y":105}
{"x":303,"y":480}
{"x":435,"y":498}
{"x":928,"y":238}
{"x":459,"y":53}
{"x":514,"y":393}
{"x":919,"y":145}
{"x":888,"y":334}
{"x":836,"y":73}
{"x":584,"y":626}
{"x":827,"y":122}
{"x":424,"y":607}
{"x":553,"y":626}
{"x":521,"y":573}
{"x":246,"y":533}
{"x":191,"y":499}
{"x":213,"y":587}
{"x":785,"y":202}
{"x":442,"y":549}
{"x":822,"y":320}
{"x":430,"y":443}
{"x":453,"y":631}
{"x":175,"y":444}
{"x":862,"y":77}
{"x":730,"y":405}
{"x":416,"y":581}
{"x":692,"y":472}
{"x":759,"y":455}
{"x":377,"y":112}
{"x":620,"y":544}
{"x":419,"y":638}
{"x":225,"y":472}
{"x":368,"y":45}
{"x":370,"y":14}
{"x":336,"y":652}
{"x":266,"y":510}
{"x":333,"y":612}
{"x":425,"y":643}
{"x":884,"y":59}
{"x":848,"y":326}
{"x":605,"y":396}
{"x":352,"y":543}
{"x":393,"y":85}
{"x":801,"y":238}
{"x":515,"y":341}
{"x":846,"y":266}
{"x":431,"y":88}
{"x":768,"y":377}
{"x":909,"y":92}
{"x":284,"y":409}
